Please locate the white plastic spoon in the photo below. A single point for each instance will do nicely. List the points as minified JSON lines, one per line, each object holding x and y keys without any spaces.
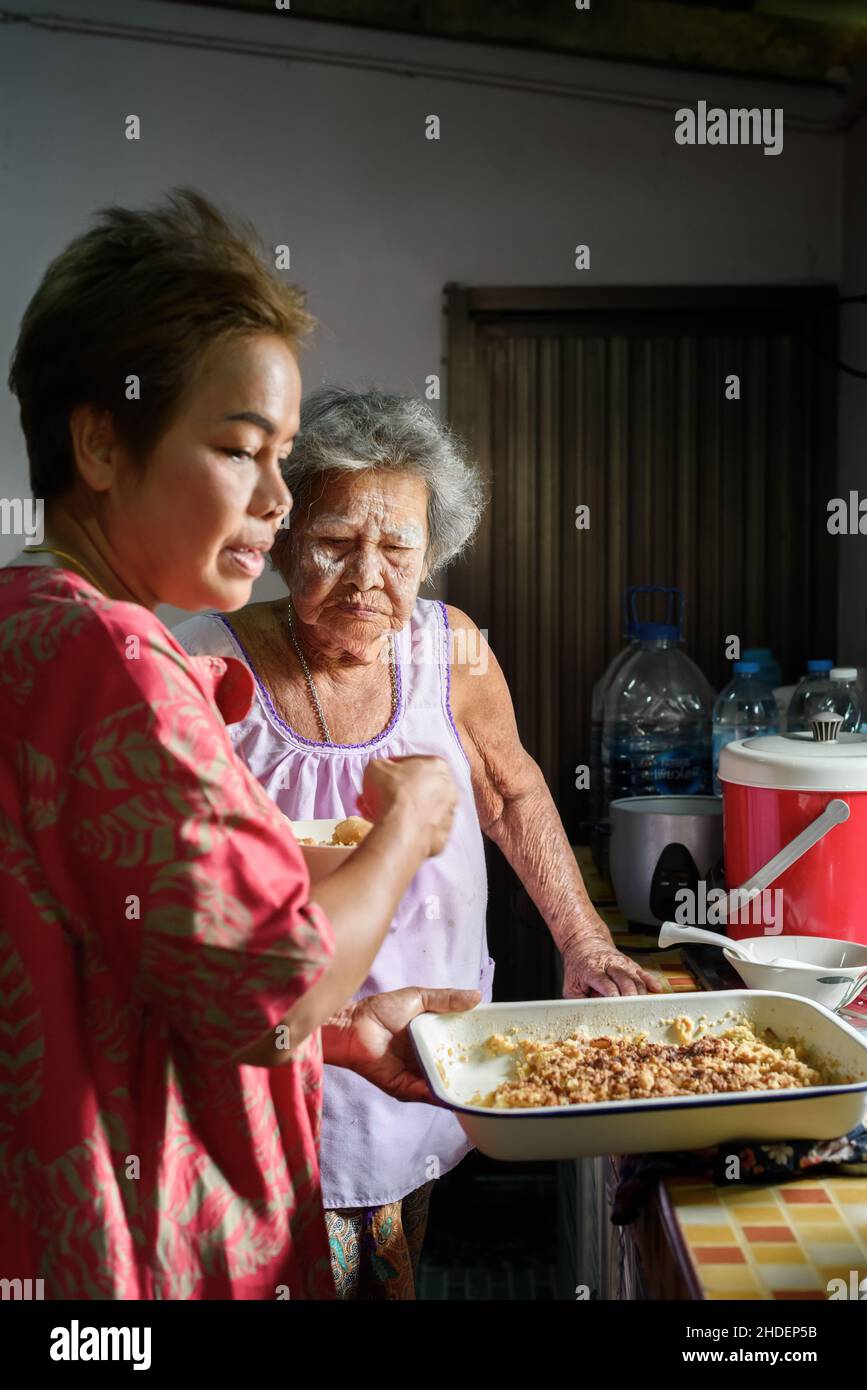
{"x":672,"y":932}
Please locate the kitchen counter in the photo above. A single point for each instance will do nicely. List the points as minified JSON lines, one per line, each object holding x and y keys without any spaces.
{"x":694,"y":1240}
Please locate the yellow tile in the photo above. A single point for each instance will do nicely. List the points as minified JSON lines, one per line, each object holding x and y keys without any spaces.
{"x":759,"y":1216}
{"x":843,"y":1254}
{"x":753,"y":1294}
{"x":828,"y":1216}
{"x":854,"y":1212}
{"x":701,"y":1234}
{"x":826,"y":1235}
{"x":697,"y":1214}
{"x":793,"y":1278}
{"x":743,"y":1197}
{"x":688,"y":1193}
{"x":839,"y":1271}
{"x":847,"y":1191}
{"x":728,"y":1277}
{"x":778,"y":1254}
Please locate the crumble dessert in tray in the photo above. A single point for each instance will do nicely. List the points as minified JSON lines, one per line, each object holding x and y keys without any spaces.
{"x":581,"y":1070}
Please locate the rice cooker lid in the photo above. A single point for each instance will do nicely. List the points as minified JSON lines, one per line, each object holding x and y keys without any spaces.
{"x":797,"y":762}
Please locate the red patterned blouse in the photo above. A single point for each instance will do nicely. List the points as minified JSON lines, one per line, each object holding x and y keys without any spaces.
{"x":154,"y":923}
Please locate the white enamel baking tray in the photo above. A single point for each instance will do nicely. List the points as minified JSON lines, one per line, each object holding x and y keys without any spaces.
{"x":451,"y":1051}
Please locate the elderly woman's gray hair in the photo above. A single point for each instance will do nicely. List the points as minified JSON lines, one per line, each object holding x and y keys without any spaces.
{"x":345,"y":431}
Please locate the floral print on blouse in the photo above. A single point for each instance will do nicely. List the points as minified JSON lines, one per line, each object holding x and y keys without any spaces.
{"x":154,"y":923}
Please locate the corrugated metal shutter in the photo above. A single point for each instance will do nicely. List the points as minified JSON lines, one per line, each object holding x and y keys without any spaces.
{"x":620,"y":405}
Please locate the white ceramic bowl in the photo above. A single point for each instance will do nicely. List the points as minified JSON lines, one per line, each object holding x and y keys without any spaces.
{"x":828,"y":972}
{"x":451,"y":1051}
{"x":321,"y":859}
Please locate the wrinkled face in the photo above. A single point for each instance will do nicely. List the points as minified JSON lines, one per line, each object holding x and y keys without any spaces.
{"x":357,"y":557}
{"x":193,"y":527}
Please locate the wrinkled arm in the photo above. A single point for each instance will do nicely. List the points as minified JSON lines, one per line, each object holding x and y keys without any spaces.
{"x":515,"y":807}
{"x":516,"y":810}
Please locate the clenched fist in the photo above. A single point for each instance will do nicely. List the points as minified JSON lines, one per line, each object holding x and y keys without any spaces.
{"x":420,"y":788}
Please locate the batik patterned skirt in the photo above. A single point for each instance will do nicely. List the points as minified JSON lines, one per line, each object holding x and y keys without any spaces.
{"x":375,"y":1250}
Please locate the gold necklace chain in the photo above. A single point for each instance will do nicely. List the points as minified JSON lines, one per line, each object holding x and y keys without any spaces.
{"x":53,"y":550}
{"x":314,"y":697}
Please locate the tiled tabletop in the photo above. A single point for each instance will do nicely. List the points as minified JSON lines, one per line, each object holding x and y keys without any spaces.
{"x":780,"y":1241}
{"x":783,"y":1241}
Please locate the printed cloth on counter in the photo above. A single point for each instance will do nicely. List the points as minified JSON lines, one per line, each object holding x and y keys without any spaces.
{"x":775,"y":1161}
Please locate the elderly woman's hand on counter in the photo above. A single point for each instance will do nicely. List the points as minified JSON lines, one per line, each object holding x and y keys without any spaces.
{"x":371,"y":1036}
{"x":592,"y":964}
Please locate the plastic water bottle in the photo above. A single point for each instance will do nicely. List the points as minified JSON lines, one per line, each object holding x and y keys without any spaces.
{"x":770,"y":673}
{"x":597,"y":717}
{"x":597,"y":706}
{"x":744,"y":707}
{"x":783,"y":696}
{"x":656,"y":734}
{"x":839,"y":694}
{"x":817,"y":671}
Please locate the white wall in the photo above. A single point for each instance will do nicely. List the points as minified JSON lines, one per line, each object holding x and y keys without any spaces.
{"x":332,"y":159}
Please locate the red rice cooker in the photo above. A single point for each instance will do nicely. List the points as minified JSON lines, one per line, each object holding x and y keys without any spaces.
{"x":774,"y":786}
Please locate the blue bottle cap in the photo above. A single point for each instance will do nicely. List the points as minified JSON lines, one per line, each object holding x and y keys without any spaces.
{"x":656,"y":632}
{"x":745,"y":668}
{"x":671,"y":628}
{"x":819,"y":665}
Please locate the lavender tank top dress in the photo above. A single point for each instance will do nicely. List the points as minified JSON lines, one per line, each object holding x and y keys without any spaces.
{"x":375,"y":1149}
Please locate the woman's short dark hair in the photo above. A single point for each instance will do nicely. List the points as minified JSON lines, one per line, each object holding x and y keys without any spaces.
{"x":142,"y":294}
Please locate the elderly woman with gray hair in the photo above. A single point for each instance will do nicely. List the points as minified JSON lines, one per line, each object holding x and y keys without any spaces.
{"x":353,"y":666}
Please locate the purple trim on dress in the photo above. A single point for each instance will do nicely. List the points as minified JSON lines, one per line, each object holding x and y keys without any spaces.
{"x":312,"y":742}
{"x":448,"y":677}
